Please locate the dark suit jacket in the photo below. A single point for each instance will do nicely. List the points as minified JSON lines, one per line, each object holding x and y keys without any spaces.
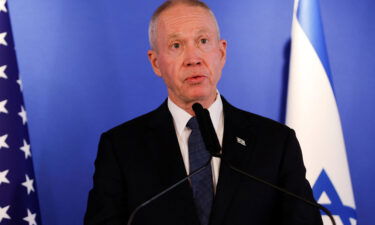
{"x":141,"y":157}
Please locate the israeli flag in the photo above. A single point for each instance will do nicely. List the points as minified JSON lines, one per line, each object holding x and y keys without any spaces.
{"x":313,"y":113}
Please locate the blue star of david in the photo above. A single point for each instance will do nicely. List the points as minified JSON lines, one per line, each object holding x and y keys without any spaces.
{"x":324,"y":184}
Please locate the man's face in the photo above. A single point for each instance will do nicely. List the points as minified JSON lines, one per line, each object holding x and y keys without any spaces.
{"x":188,"y":55}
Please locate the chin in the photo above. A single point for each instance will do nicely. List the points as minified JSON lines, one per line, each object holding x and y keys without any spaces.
{"x":200,"y":95}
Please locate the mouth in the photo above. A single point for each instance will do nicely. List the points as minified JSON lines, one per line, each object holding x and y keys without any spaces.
{"x":195,"y":79}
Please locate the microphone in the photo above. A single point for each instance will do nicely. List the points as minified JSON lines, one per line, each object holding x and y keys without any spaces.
{"x":207,"y":130}
{"x":213,"y":146}
{"x":214,"y":149}
{"x":166,"y":190}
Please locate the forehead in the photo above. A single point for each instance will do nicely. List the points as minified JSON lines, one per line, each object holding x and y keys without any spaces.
{"x":183,"y":18}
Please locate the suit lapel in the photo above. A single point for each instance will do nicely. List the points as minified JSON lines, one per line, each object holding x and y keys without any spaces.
{"x":167,"y":156}
{"x":237,"y":148}
{"x":165,"y":147}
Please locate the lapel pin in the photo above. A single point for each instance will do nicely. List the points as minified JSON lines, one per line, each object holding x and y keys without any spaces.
{"x":241,"y":141}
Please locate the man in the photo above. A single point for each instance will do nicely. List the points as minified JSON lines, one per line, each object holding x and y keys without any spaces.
{"x":142,"y":157}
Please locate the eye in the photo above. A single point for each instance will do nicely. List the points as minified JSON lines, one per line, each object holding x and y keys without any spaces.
{"x":204,"y":40}
{"x":176,"y":45}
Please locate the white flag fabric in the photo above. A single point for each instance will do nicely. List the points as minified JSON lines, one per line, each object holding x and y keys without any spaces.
{"x":313,"y":113}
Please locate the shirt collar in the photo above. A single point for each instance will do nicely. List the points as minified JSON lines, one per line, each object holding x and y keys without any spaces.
{"x":181,"y":117}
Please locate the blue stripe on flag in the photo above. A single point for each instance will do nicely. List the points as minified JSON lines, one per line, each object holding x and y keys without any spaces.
{"x":308,"y":15}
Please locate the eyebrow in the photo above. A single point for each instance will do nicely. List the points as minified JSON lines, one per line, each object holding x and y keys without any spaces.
{"x":201,"y":31}
{"x":173,"y":36}
{"x":177,"y":35}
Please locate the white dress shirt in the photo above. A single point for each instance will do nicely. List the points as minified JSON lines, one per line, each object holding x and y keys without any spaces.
{"x":180,"y":119}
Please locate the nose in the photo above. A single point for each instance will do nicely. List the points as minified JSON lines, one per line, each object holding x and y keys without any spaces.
{"x":192,"y":56}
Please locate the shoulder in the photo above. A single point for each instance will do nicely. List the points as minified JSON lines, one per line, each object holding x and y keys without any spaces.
{"x":139,"y":125}
{"x":257,"y":122}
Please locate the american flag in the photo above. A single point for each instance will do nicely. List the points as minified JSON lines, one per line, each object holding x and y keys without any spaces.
{"x":18,"y":197}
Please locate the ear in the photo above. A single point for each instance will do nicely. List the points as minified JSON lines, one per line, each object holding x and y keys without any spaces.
{"x":223,"y":50}
{"x":153,"y":57}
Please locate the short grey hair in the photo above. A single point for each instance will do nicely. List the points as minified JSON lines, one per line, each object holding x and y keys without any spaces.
{"x":169,"y":4}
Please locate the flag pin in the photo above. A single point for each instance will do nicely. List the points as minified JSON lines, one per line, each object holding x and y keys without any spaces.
{"x":241,"y":141}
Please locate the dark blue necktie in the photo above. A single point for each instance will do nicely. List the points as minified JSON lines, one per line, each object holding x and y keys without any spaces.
{"x":202,"y":182}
